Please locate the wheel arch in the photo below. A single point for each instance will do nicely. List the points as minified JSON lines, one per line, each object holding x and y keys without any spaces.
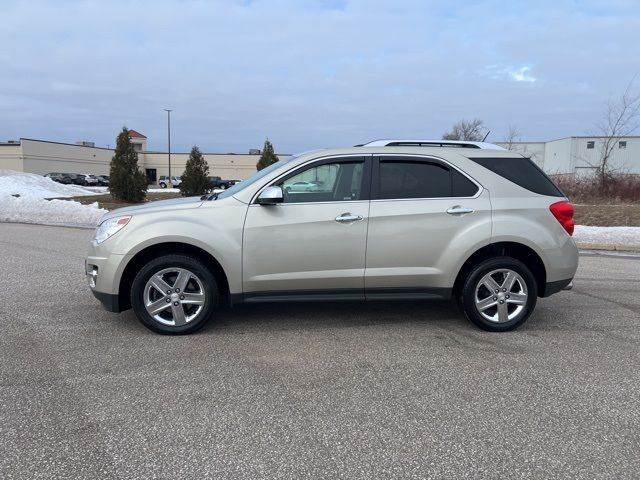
{"x":519,"y":251}
{"x":153,"y":251}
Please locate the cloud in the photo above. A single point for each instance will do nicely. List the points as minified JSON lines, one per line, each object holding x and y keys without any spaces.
{"x":522,"y":75}
{"x":308,"y":73}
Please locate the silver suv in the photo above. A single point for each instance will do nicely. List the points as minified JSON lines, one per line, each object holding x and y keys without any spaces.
{"x":472,"y":222}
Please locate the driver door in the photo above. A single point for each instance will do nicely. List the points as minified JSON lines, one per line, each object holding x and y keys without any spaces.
{"x":313,"y":243}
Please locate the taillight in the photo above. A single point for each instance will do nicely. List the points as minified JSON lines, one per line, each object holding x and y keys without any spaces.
{"x":563,"y":211}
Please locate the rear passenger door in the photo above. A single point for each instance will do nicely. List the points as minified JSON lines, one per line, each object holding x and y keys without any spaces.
{"x":425,"y":217}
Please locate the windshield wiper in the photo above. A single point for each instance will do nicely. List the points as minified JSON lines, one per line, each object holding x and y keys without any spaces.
{"x":209,"y":196}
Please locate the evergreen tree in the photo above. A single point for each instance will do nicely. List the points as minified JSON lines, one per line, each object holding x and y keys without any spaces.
{"x":268,"y":157}
{"x":126,"y":181}
{"x":194,"y":178}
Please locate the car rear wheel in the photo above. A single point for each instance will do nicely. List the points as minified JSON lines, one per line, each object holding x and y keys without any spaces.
{"x":163,"y":185}
{"x":499,"y":294}
{"x":174,"y":294}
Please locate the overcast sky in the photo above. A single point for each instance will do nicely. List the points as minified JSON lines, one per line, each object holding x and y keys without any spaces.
{"x":309,"y":74}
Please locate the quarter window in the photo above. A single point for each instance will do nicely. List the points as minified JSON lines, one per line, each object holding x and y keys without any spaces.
{"x":591,"y":144}
{"x":420,"y":179}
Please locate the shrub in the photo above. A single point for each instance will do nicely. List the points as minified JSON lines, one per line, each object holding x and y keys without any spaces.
{"x":268,"y":157}
{"x":194,"y":178}
{"x":126,"y":181}
{"x":588,"y":189}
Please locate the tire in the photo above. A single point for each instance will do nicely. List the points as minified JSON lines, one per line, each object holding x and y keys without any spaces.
{"x":163,"y":185}
{"x":195,"y":294}
{"x":481,"y":305}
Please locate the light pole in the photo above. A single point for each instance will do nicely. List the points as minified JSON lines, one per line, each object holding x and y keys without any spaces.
{"x":169,"y":140}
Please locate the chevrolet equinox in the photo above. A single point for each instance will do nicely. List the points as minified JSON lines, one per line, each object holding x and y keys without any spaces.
{"x":385,"y":220}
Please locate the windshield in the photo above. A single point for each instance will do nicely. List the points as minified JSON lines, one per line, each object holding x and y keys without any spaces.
{"x":251,"y":180}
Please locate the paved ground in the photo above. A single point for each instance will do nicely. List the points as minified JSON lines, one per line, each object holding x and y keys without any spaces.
{"x":314,"y":390}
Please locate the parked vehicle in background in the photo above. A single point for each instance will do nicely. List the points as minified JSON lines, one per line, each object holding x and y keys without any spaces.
{"x":218,"y":183}
{"x":301,"y":187}
{"x":103,"y":180}
{"x":90,"y":180}
{"x":63,"y":178}
{"x":163,"y":181}
{"x":231,"y":183}
{"x":481,"y":225}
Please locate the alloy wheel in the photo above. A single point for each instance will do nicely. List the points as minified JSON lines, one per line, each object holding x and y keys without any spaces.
{"x":501,"y":295}
{"x":174,"y":296}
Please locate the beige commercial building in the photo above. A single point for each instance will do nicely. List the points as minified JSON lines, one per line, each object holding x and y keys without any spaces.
{"x":40,"y":156}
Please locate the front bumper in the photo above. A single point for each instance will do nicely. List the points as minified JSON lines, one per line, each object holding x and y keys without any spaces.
{"x":110,"y":302}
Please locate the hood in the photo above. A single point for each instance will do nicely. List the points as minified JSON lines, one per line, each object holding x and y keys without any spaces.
{"x":157,"y":206}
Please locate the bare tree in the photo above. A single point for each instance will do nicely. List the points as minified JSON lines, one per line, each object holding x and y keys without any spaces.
{"x":621,"y":118}
{"x":466,"y":130}
{"x":511,"y":136}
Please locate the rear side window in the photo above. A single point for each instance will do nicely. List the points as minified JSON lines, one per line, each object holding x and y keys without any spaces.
{"x":420,"y":179}
{"x":523,"y":172}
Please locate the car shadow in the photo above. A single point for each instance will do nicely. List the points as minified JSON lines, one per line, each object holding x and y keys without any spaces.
{"x":344,"y":314}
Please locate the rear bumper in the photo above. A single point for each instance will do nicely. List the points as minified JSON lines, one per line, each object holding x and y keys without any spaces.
{"x":110,"y":302}
{"x":557,"y":286}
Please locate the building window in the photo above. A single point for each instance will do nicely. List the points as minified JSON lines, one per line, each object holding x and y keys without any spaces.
{"x":591,"y":144}
{"x":622,"y":144}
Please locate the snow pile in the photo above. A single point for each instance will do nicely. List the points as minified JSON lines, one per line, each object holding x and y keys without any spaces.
{"x":36,"y":186}
{"x":607,"y":235}
{"x":49,"y":212}
{"x":31,"y":207}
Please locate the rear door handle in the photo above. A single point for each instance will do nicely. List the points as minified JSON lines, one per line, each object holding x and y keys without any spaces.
{"x":457,"y":210}
{"x":347,"y":218}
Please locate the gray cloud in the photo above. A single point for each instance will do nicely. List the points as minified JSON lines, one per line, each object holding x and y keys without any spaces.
{"x":309,"y":74}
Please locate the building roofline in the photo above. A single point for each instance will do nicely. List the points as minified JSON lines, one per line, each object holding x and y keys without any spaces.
{"x":143,"y":151}
{"x":63,"y":143}
{"x":621,"y":137}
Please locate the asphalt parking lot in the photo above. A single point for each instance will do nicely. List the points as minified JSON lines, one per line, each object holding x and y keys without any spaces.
{"x":349,"y":390}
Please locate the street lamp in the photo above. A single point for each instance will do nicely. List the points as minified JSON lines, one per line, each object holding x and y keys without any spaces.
{"x":169,"y":140}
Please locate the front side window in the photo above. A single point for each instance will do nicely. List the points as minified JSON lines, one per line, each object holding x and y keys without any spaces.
{"x":420,"y":179}
{"x":327,"y":182}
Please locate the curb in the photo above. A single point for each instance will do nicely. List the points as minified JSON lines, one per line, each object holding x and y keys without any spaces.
{"x":616,"y":247}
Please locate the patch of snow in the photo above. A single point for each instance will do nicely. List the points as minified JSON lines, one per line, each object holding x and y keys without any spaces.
{"x":163,"y":190}
{"x":36,"y":186}
{"x":31,"y":207}
{"x":607,"y":235}
{"x":49,"y":212}
{"x":97,"y":190}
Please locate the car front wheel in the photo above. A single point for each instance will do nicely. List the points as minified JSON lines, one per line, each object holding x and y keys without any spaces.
{"x":174,"y":294}
{"x":499,"y":294}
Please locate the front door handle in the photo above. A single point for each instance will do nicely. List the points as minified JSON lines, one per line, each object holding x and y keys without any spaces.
{"x":458,"y":210}
{"x":347,"y":218}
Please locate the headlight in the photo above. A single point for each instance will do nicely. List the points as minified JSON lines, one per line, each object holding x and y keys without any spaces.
{"x":110,"y":227}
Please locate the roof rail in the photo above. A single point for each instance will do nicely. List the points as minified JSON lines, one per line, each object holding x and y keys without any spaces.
{"x":431,"y":143}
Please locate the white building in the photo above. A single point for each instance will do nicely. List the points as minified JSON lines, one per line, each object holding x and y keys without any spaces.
{"x":580,"y":154}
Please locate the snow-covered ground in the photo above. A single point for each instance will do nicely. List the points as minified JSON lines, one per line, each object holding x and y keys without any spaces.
{"x":23,"y":199}
{"x":37,"y":186}
{"x":607,"y":235}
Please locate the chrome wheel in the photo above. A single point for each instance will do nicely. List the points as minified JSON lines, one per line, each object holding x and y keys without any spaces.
{"x":174,"y":296}
{"x":501,"y":295}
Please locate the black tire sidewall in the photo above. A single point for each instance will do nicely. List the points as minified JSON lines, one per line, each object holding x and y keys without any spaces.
{"x":467,"y":293}
{"x":181,"y":261}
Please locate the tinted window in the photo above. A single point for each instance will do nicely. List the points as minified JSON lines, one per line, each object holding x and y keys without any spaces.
{"x":327,"y":182}
{"x":523,"y":172}
{"x":419,"y":179}
{"x":461,"y":186}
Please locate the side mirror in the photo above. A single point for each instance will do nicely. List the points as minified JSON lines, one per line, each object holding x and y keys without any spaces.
{"x":270,"y":196}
